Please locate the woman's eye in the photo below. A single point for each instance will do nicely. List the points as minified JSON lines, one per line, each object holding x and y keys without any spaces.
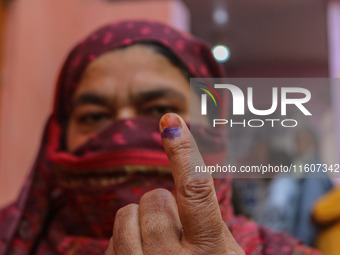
{"x":160,"y":110}
{"x":93,"y":118}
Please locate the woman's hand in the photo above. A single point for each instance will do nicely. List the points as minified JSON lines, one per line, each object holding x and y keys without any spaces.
{"x":161,"y":224}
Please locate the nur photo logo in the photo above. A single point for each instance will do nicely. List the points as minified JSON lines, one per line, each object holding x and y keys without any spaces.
{"x":281,"y":97}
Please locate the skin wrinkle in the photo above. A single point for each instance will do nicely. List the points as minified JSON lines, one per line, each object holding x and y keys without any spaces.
{"x":158,"y":93}
{"x":88,"y":98}
{"x":215,"y":226}
{"x":205,"y":249}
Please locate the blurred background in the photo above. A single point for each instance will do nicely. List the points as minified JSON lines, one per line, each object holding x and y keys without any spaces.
{"x":262,"y":38}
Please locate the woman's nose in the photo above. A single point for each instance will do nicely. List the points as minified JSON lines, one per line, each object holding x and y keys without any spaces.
{"x":126,"y":113}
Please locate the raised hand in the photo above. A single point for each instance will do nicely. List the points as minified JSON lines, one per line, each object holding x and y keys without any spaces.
{"x":161,"y":224}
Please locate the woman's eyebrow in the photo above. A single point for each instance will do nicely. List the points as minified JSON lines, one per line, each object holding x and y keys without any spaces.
{"x":146,"y":96}
{"x":90,"y":98}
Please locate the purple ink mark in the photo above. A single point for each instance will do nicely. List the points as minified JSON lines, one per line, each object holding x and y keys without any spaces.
{"x":171,"y":133}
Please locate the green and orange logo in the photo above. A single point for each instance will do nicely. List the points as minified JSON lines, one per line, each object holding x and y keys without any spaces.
{"x":211,"y":92}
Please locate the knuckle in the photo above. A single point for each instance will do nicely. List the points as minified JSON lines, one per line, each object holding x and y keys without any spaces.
{"x":156,"y":228}
{"x":126,"y":212}
{"x":197,"y":189}
{"x":155,"y":196}
{"x":181,"y":147}
{"x":213,"y":235}
{"x":185,"y":155}
{"x":154,"y":213}
{"x":123,"y":218}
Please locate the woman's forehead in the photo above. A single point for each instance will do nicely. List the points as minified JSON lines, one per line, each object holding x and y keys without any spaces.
{"x":137,"y":68}
{"x":134,"y":54}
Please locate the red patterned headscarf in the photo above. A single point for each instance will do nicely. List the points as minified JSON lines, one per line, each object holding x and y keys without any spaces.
{"x":68,"y":202}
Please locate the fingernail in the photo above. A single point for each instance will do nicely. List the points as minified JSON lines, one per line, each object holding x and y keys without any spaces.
{"x":170,"y":126}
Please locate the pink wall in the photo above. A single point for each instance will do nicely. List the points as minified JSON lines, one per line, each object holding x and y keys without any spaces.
{"x":39,"y":34}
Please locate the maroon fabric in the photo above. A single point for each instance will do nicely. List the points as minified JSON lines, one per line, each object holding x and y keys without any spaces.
{"x":68,"y":202}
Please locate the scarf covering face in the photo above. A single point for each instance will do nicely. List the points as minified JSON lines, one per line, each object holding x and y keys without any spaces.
{"x":68,"y":202}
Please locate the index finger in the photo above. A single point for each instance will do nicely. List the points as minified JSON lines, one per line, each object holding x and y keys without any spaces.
{"x":195,"y":193}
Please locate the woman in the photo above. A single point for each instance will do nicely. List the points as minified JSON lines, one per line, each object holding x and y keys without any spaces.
{"x":102,"y":152}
